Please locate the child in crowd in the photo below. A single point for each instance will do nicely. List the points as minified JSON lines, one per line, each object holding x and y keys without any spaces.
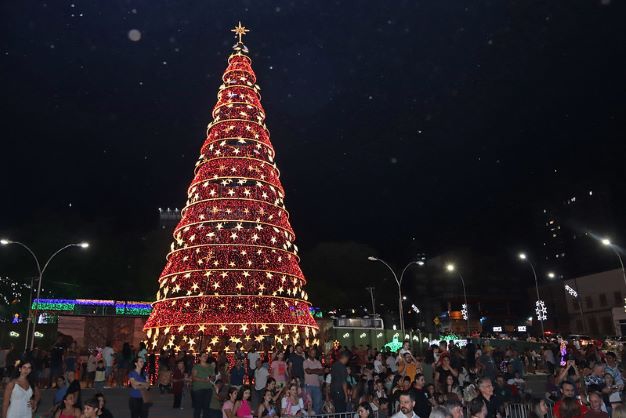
{"x":100,"y":376}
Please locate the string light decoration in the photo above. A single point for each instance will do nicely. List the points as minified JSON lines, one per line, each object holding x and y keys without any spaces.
{"x":541,"y":310}
{"x":571,"y":291}
{"x":464,"y":312}
{"x":232,"y":273}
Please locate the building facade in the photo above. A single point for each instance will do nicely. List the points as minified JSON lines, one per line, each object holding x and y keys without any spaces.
{"x":597,"y":308}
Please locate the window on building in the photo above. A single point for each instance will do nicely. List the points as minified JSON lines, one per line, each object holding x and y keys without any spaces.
{"x":607,"y":326}
{"x":618,"y":298}
{"x":589,"y":302}
{"x":593,"y":325}
{"x":603,"y":301}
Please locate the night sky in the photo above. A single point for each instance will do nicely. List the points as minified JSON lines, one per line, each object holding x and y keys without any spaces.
{"x":405,"y":126}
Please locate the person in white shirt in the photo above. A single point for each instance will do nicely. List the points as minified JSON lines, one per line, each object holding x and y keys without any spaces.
{"x":378,"y":364}
{"x":391,"y":363}
{"x":292,"y":404}
{"x":107,"y":356}
{"x":260,"y":381}
{"x":407,"y":403}
{"x":253,"y":356}
{"x":313,"y":372}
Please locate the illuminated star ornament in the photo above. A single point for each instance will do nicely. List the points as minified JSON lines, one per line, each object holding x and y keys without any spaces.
{"x":541,"y":310}
{"x":240,"y":31}
{"x":232,"y":273}
{"x":571,"y":291}
{"x":464,"y":312}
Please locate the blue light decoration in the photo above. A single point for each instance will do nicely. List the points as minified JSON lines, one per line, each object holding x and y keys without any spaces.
{"x":133,"y":308}
{"x":316,"y":312}
{"x":129,"y":308}
{"x":16,"y":319}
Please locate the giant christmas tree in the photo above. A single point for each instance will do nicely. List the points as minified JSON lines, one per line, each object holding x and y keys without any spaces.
{"x":232,"y":273}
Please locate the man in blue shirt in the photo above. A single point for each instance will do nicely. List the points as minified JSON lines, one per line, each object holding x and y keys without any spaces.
{"x":237,"y":374}
{"x":59,"y":394}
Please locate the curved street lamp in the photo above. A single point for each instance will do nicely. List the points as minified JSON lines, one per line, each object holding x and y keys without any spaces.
{"x":40,"y":272}
{"x":451,"y":268}
{"x":607,"y":243}
{"x":399,"y":282}
{"x":540,"y":304}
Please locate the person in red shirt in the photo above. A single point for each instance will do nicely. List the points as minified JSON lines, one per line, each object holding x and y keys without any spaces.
{"x":567,"y":392}
{"x":178,"y":382}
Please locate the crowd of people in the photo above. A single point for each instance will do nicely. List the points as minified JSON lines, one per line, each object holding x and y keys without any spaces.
{"x":442,"y":381}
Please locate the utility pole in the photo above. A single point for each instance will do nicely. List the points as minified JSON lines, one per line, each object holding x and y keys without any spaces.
{"x":371,"y":290}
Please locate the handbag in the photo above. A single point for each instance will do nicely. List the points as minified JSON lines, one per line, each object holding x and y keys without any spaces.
{"x":145,"y":397}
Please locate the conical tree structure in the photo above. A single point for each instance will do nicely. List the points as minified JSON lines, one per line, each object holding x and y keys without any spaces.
{"x":232,"y":274}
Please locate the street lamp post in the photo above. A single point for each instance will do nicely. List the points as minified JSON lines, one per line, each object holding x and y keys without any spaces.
{"x":451,"y":268}
{"x":607,"y":243}
{"x":40,"y":272}
{"x":399,"y":282}
{"x":540,"y":305}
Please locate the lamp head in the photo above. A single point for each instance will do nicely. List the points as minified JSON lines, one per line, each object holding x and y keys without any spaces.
{"x":84,"y":245}
{"x":606,"y":241}
{"x":551,"y":275}
{"x":420,"y":263}
{"x":370,"y":258}
{"x":5,"y":241}
{"x":450,"y":267}
{"x":522,"y":256}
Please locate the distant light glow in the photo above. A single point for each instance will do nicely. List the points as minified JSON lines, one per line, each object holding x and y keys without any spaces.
{"x":606,"y":241}
{"x":522,"y":256}
{"x":450,"y":267}
{"x":134,"y":35}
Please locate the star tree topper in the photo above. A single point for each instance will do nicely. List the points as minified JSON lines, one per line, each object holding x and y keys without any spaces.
{"x":240,"y":31}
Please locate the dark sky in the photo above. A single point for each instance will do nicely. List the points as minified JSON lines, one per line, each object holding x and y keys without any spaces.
{"x":404,"y":125}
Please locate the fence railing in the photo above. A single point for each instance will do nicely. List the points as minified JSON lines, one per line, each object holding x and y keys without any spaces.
{"x":511,"y":410}
{"x":352,"y":414}
{"x":518,"y":410}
